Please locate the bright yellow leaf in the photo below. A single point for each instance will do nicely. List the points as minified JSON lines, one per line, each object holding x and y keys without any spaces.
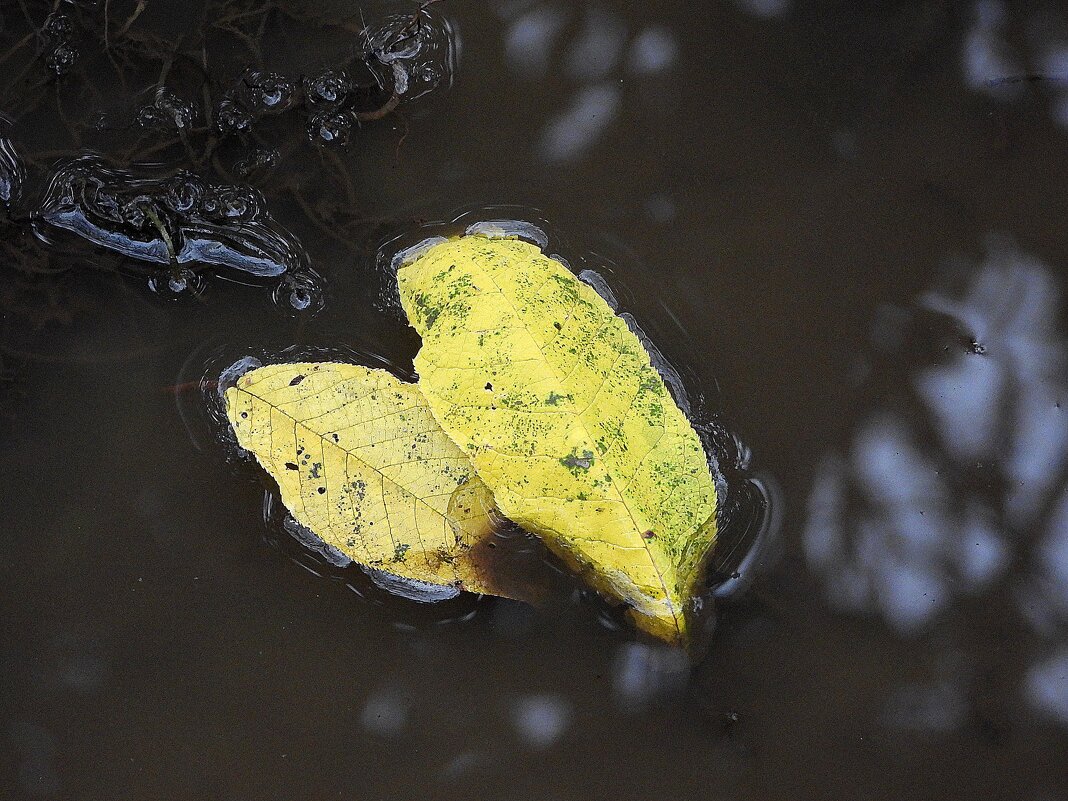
{"x":564,"y":417}
{"x":361,"y":462}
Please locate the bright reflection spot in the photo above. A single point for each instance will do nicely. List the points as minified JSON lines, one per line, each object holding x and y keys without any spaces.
{"x":987,"y":58}
{"x":957,"y":472}
{"x":642,"y":673}
{"x":1050,"y":579}
{"x":660,"y":208}
{"x":529,"y":41}
{"x":765,"y":8}
{"x":583,"y":53}
{"x":1054,"y":64}
{"x":1039,"y":452}
{"x":581,"y":124}
{"x":1047,"y":686}
{"x":892,"y":470}
{"x":920,"y":707}
{"x":384,"y":714}
{"x":541,"y":719}
{"x":895,"y":526}
{"x":653,"y":50}
{"x":981,"y":551}
{"x":599,"y":46}
{"x":962,"y":397}
{"x":462,"y":764}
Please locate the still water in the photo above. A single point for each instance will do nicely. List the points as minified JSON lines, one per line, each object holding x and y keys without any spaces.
{"x":841,"y":223}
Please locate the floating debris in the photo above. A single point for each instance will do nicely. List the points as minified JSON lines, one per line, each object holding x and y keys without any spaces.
{"x":62,"y":58}
{"x":266,"y":92}
{"x":419,"y":48}
{"x":256,"y":160}
{"x":57,"y":28}
{"x":167,"y":112}
{"x":328,"y":88}
{"x":300,"y":292}
{"x":61,"y":55}
{"x":330,"y":128}
{"x":231,"y":117}
{"x":172,"y":220}
{"x":334,"y":101}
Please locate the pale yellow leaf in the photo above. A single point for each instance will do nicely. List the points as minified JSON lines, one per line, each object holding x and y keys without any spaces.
{"x":566,"y":420}
{"x":360,"y":460}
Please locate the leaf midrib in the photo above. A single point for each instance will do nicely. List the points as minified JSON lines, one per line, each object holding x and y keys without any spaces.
{"x":324,"y":440}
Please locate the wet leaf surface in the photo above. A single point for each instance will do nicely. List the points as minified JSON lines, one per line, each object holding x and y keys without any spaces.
{"x":564,"y":417}
{"x":360,"y":461}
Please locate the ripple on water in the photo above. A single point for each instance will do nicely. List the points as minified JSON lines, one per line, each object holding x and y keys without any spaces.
{"x":750,"y":505}
{"x":164,"y":219}
{"x":747,"y":518}
{"x":422,"y":50}
{"x":12,"y":171}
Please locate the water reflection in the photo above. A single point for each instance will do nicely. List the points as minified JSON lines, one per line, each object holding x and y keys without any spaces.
{"x":581,"y":123}
{"x":998,"y":61}
{"x":1044,"y":601}
{"x":910,"y":543}
{"x":987,"y":57}
{"x":644,"y":674}
{"x":954,"y":477}
{"x":936,"y":707}
{"x":653,"y":51}
{"x":765,"y":8}
{"x":1045,"y":687}
{"x":540,"y":720}
{"x":594,"y":50}
{"x":1006,"y":401}
{"x":385,"y":713}
{"x":12,"y":171}
{"x":529,"y":40}
{"x":169,"y":219}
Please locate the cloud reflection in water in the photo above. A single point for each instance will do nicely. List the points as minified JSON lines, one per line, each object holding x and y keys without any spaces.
{"x":1001,"y":61}
{"x":766,"y":9}
{"x":955,"y":474}
{"x":588,"y":51}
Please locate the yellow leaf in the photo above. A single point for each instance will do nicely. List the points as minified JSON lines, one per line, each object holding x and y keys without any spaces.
{"x":564,"y":417}
{"x":361,"y":462}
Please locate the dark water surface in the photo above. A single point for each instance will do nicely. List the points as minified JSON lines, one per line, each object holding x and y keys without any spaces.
{"x":844,"y":223}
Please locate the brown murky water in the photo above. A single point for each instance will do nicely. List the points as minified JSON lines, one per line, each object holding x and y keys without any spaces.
{"x":843,"y":224}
